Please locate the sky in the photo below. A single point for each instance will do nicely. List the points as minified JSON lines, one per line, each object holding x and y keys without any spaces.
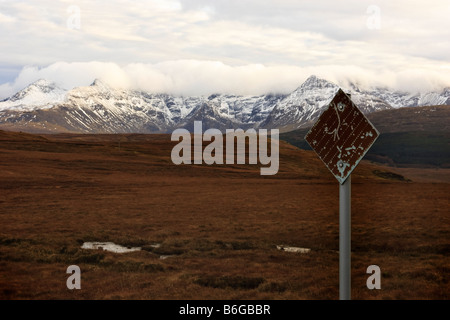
{"x":197,"y":47}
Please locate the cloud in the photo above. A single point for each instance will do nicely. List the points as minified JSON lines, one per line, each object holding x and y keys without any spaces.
{"x":199,"y":46}
{"x":181,"y":77}
{"x":199,"y":77}
{"x":233,"y":31}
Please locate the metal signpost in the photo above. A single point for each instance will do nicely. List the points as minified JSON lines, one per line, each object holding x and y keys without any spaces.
{"x":341,"y":137}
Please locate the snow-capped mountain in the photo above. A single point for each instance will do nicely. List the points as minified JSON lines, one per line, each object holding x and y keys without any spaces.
{"x":98,"y":108}
{"x":399,"y":99}
{"x":231,"y":111}
{"x":306,"y":103}
{"x":302,"y":105}
{"x":40,"y":94}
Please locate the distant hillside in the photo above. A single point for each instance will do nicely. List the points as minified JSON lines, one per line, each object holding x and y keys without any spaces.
{"x":416,"y":136}
{"x":427,"y":119}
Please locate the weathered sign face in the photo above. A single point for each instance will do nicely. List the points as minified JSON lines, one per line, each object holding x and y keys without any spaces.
{"x":341,"y":136}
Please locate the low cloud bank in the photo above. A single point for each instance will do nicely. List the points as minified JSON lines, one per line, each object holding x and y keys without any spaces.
{"x":193,"y":77}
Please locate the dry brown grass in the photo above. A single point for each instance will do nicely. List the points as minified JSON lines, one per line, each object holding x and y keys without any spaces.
{"x":221,"y":224}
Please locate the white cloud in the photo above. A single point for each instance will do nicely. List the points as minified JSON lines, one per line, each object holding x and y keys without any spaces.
{"x":199,"y":77}
{"x":223,"y":45}
{"x":6,"y":19}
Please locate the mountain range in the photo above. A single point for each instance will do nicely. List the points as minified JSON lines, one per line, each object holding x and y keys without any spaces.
{"x":44,"y":107}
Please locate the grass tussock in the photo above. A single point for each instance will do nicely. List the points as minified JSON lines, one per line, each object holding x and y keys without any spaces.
{"x":132,"y":266}
{"x":191,"y":247}
{"x":234,"y":282}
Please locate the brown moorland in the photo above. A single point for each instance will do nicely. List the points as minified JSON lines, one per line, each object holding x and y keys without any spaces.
{"x":218,"y":226}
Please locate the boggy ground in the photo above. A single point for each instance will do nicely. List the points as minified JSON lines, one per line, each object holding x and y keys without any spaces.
{"x":218,"y":224}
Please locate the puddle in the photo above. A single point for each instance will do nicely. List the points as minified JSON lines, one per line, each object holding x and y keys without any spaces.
{"x":112,"y":247}
{"x":293,"y":249}
{"x":109,"y":246}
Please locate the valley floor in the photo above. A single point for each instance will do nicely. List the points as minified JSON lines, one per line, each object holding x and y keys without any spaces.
{"x":217,"y":227}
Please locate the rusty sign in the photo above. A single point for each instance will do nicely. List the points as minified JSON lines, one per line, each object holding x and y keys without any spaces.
{"x":341,"y":136}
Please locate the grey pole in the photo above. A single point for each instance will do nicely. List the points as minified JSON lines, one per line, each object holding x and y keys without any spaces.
{"x":345,"y":239}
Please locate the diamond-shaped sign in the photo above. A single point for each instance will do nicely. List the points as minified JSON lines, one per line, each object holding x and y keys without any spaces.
{"x":341,"y":136}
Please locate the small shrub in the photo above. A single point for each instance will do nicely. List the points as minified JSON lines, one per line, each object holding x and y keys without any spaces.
{"x":133,"y":266}
{"x":273,"y":287}
{"x":389,"y":175}
{"x":242,"y":245}
{"x":235,"y":282}
{"x":92,"y":258}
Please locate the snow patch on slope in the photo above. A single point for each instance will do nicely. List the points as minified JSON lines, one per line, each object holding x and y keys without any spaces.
{"x":41,"y":94}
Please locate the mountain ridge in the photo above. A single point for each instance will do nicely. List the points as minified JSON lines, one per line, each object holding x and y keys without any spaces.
{"x":99,"y":108}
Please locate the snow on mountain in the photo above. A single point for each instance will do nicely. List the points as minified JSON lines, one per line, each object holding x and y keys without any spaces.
{"x":434,"y":98}
{"x":366,"y":101}
{"x":40,"y":94}
{"x":307,"y":102}
{"x":302,"y":105}
{"x":99,"y":108}
{"x":233,"y":111}
{"x":114,"y":110}
{"x":399,"y":99}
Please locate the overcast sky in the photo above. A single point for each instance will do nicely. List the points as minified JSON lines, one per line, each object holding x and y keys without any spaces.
{"x":234,"y":46}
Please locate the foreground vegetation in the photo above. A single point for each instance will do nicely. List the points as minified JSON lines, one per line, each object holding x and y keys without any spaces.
{"x":207,"y":232}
